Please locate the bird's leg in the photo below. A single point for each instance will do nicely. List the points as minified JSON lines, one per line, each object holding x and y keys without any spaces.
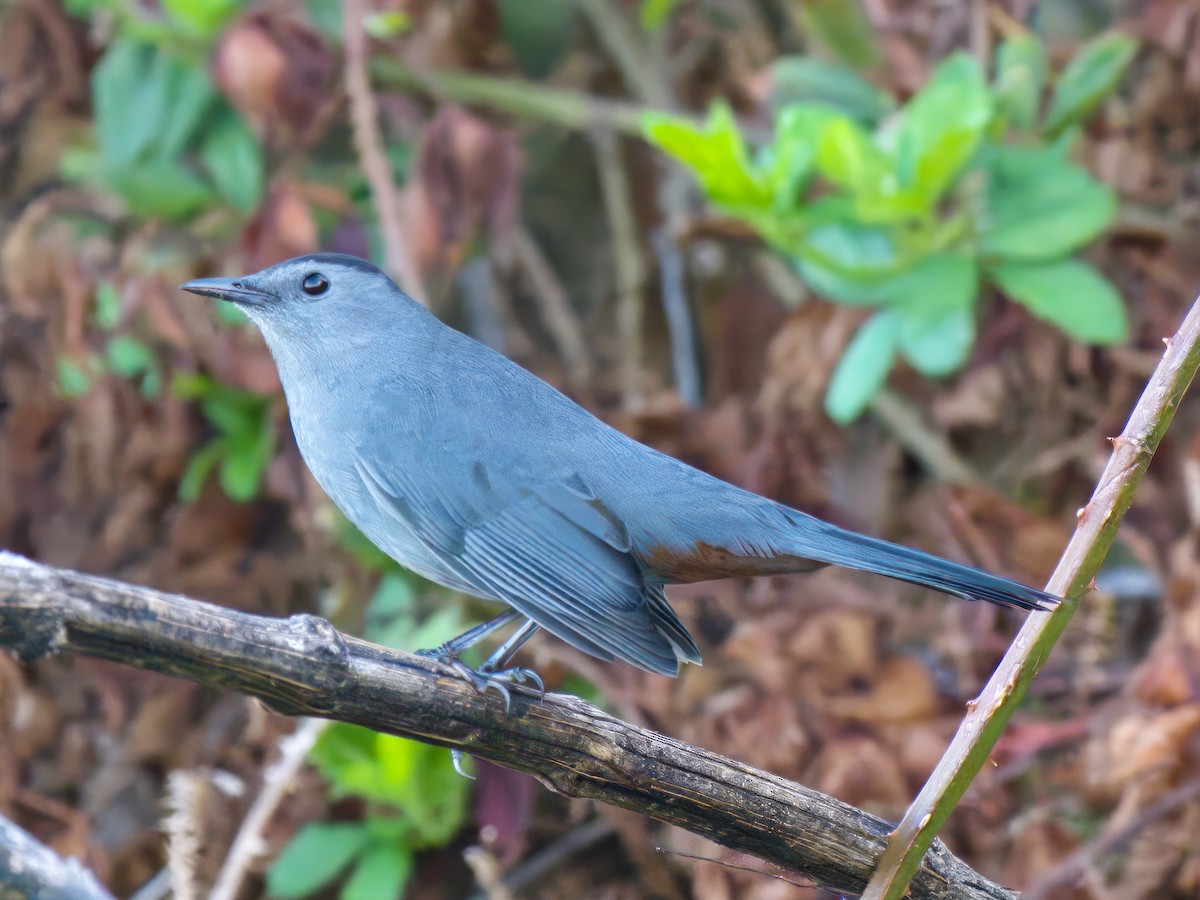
{"x":494,"y":666}
{"x":453,"y":648}
{"x":492,"y":673}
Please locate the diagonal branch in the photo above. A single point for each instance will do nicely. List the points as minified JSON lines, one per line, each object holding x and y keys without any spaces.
{"x":303,"y":666}
{"x":1098,"y":522}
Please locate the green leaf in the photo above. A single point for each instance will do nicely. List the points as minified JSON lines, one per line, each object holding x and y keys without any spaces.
{"x":73,"y":379}
{"x":1088,"y":80}
{"x":848,"y":262}
{"x":234,"y":158}
{"x":202,"y":18}
{"x":848,"y":157}
{"x":940,"y":128}
{"x":314,"y":857}
{"x":808,"y":80}
{"x":230,"y":314}
{"x":653,"y":14}
{"x":128,"y":356}
{"x":381,"y":872}
{"x":198,"y":469}
{"x":241,"y":474}
{"x":863,"y":368}
{"x":383,"y":25}
{"x":1020,"y":79}
{"x":1069,"y":294}
{"x":935,"y":303}
{"x":128,"y":100}
{"x":160,"y":187}
{"x":1039,"y":206}
{"x":716,"y":154}
{"x":190,"y":94}
{"x":108,"y":305}
{"x":413,"y":777}
{"x":391,"y":613}
{"x":82,"y":164}
{"x":787,"y":162}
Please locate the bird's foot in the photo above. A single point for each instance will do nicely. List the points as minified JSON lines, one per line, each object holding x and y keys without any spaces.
{"x":500,"y":680}
{"x":483,"y":678}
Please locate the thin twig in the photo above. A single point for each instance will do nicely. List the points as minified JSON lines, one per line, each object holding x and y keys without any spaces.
{"x":685,"y":360}
{"x":514,"y":96}
{"x":555,"y":306}
{"x":633,"y":56}
{"x":278,"y":779}
{"x":629,"y":259}
{"x":1098,"y":520}
{"x":303,"y":666}
{"x":364,"y":117}
{"x":933,"y":450}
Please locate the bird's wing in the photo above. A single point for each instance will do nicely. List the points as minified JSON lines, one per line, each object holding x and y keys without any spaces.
{"x":556,"y":555}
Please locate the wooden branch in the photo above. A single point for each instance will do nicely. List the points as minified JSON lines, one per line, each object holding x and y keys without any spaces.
{"x":303,"y":666}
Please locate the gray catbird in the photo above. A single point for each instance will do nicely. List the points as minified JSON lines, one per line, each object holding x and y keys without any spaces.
{"x":474,"y":473}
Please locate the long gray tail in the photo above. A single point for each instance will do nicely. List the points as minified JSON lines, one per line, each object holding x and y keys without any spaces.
{"x":830,"y":544}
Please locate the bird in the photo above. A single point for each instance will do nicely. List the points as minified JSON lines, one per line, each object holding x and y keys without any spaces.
{"x":473,"y":472}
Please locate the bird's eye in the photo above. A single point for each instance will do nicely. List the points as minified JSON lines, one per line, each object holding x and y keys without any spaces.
{"x":314,"y":284}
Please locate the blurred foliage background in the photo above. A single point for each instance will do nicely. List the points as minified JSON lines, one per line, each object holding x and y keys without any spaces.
{"x":904,"y":264}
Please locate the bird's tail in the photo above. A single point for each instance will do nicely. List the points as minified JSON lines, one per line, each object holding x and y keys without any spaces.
{"x":827,"y":543}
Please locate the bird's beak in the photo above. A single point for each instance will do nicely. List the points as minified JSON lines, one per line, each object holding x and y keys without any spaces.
{"x":235,"y":290}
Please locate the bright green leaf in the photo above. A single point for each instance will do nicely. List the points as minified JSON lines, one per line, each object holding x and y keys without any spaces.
{"x":808,"y":80}
{"x":1040,"y":207}
{"x":848,"y":157}
{"x":940,"y":128}
{"x":1069,"y":294}
{"x":383,"y":25}
{"x":1020,"y":79}
{"x":788,"y":161}
{"x":935,"y":303}
{"x":380,"y":873}
{"x":314,"y":857}
{"x":240,"y":475}
{"x":863,"y":368}
{"x":234,"y":158}
{"x":416,"y":778}
{"x":202,"y":18}
{"x":716,"y":154}
{"x":653,"y":14}
{"x":1089,"y":78}
{"x":73,"y":379}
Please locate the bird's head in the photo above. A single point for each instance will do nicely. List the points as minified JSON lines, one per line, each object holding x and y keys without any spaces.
{"x":308,"y":296}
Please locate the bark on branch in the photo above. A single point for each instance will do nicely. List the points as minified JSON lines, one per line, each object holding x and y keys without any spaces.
{"x":303,"y":666}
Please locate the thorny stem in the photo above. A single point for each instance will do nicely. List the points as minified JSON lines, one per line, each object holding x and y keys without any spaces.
{"x":990,"y":712}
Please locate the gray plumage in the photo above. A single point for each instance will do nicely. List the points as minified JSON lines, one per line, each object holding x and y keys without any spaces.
{"x":474,"y":473}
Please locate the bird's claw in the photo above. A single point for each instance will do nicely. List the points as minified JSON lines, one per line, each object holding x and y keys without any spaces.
{"x":456,"y":758}
{"x":499,"y":681}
